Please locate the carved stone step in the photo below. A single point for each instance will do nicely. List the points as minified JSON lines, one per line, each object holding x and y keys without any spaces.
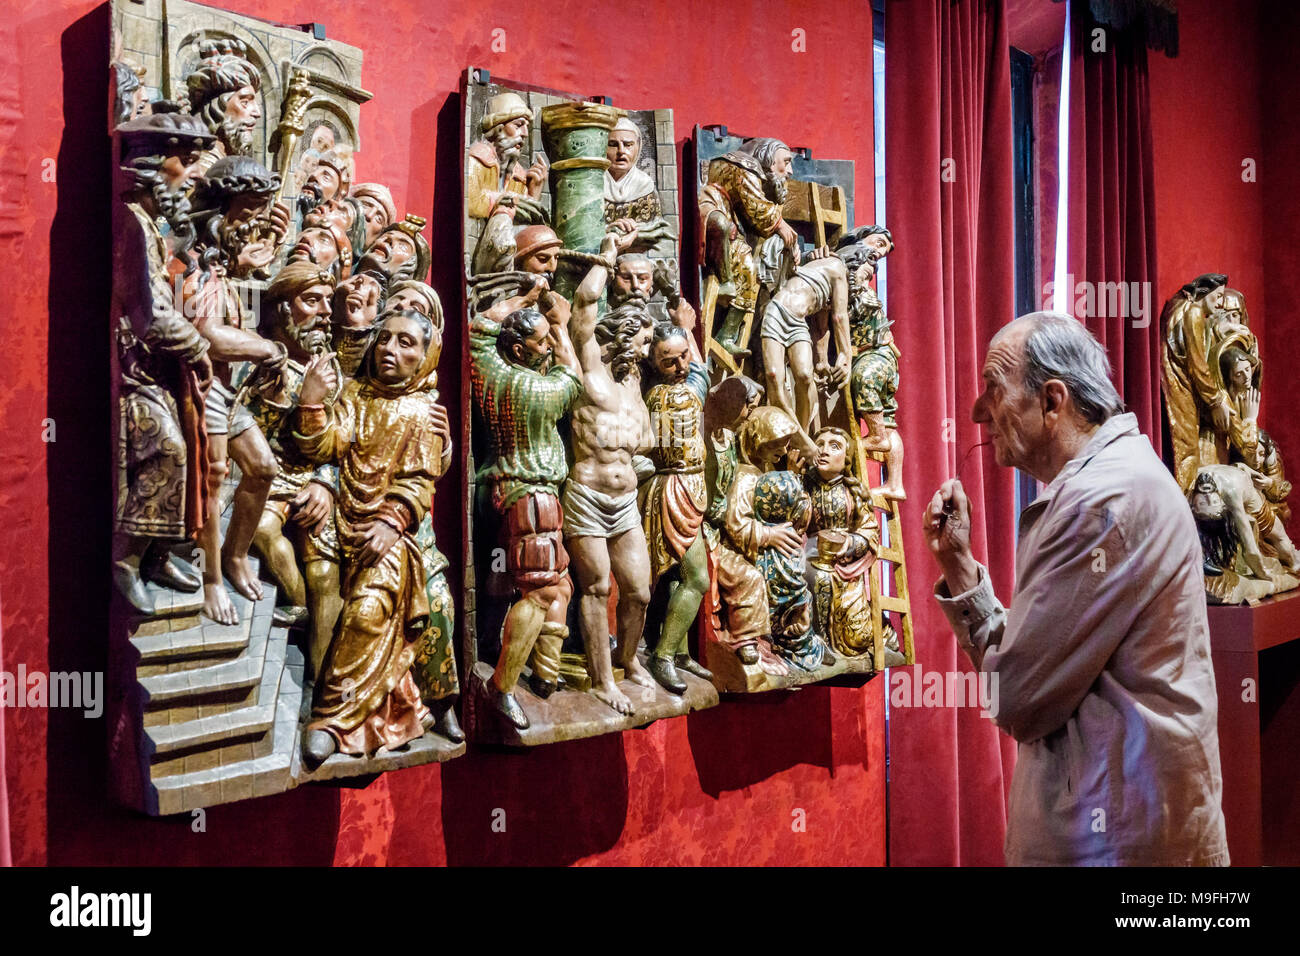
{"x":260,"y":776}
{"x":206,"y":639}
{"x":193,"y":685}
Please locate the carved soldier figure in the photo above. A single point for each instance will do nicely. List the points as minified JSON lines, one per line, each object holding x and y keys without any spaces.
{"x":380,"y":432}
{"x":674,"y":499}
{"x":224,"y":93}
{"x":873,"y":379}
{"x":602,"y":525}
{"x":165,"y":366}
{"x":492,"y":166}
{"x":740,"y":205}
{"x":234,"y":201}
{"x":526,"y":377}
{"x":377,"y":206}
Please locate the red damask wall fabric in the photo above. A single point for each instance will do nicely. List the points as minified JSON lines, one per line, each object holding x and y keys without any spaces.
{"x":948,"y":195}
{"x":787,"y":779}
{"x":1111,"y":250}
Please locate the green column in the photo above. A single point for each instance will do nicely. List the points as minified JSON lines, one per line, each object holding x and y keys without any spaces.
{"x":576,"y":136}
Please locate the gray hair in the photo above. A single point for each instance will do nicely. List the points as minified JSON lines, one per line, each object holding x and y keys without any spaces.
{"x":1060,"y":347}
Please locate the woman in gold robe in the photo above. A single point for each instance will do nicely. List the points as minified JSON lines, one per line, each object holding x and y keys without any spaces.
{"x":381,"y":433}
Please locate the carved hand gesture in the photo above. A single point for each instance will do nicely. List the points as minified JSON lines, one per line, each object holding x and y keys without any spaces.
{"x":319,"y":381}
{"x":312,"y":506}
{"x":377,"y":538}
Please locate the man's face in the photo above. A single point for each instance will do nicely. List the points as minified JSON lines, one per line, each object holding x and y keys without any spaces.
{"x":636,"y":275}
{"x":1241,"y":374}
{"x":1012,"y":416}
{"x":864,"y":273}
{"x":641,"y":341}
{"x":510,"y":137}
{"x":310,"y":309}
{"x":672,"y":359}
{"x":180,"y":171}
{"x":1208,"y":505}
{"x":376,"y":218}
{"x":782,"y":164}
{"x":409,"y":299}
{"x":399,"y":350}
{"x":324,"y":182}
{"x":878,"y":245}
{"x":239,"y":121}
{"x":392,"y":250}
{"x":831,"y":455}
{"x":244,"y":107}
{"x":246,"y":208}
{"x":357,"y":300}
{"x":1214,"y":299}
{"x":342,"y":214}
{"x":622,"y":152}
{"x":315,"y":245}
{"x":534,"y":352}
{"x":542,"y":263}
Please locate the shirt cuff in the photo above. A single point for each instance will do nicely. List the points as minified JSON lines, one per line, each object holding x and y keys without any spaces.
{"x":968,"y":610}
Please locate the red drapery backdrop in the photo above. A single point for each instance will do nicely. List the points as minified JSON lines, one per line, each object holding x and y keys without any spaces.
{"x":1111,"y":247}
{"x":948,"y":194}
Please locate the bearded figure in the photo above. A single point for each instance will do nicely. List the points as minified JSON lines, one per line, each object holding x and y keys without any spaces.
{"x":163,"y":360}
{"x":225,"y":93}
{"x":740,"y":206}
{"x":492,"y":167}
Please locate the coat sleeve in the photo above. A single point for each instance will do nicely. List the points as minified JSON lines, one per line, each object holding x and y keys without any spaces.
{"x":1076,"y":600}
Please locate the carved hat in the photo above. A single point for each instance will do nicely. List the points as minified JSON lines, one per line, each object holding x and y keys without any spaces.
{"x":341,"y":164}
{"x":163,"y":133}
{"x":223,"y":68}
{"x":626,"y":125}
{"x":295,"y":278}
{"x":380,"y":194}
{"x":532,"y":239}
{"x":233,"y":176}
{"x":432,"y":304}
{"x":503,"y":108}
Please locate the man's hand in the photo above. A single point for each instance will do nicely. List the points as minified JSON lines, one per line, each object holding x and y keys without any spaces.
{"x":279,"y":217}
{"x":536,"y":175}
{"x":785,"y":539}
{"x":821,"y":252}
{"x":319,"y":380}
{"x":683,"y":315}
{"x":311,"y":507}
{"x":947,"y":533}
{"x":625,"y":225}
{"x":376,"y":538}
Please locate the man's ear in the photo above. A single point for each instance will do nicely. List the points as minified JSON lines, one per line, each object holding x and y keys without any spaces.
{"x":1053,"y":396}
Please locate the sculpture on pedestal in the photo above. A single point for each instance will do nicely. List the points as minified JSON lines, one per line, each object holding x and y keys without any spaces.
{"x":1227,"y":465}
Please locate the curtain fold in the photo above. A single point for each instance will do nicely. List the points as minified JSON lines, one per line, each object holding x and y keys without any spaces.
{"x":1111,"y":248}
{"x":949,"y":202}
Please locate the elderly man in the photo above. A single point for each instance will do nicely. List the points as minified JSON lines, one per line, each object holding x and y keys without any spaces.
{"x":492,"y":167}
{"x":1103,"y":659}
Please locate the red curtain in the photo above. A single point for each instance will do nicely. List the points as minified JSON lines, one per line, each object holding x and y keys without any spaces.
{"x":1112,"y":226}
{"x":949,"y":202}
{"x":5,"y":858}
